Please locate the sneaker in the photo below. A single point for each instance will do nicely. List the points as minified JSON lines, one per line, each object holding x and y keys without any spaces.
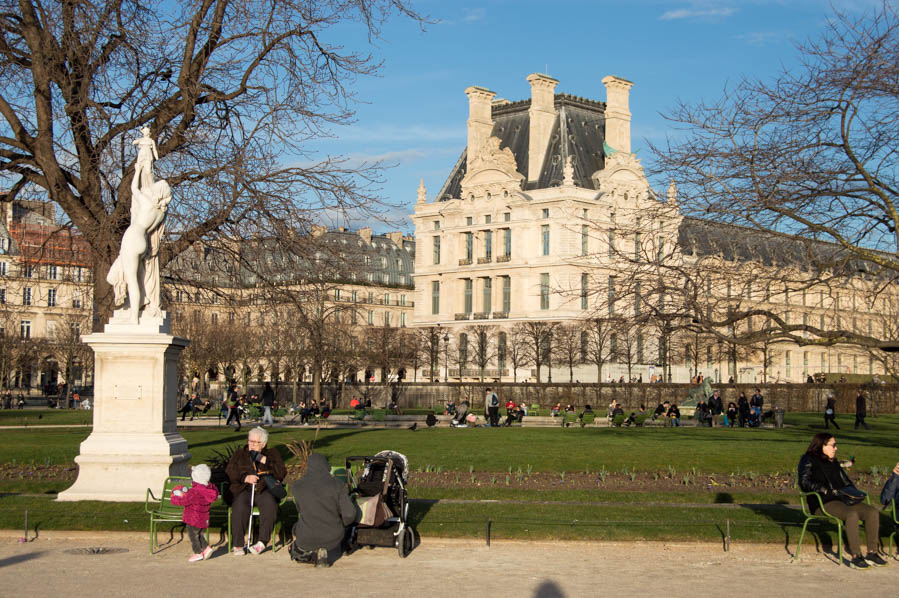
{"x":875,"y":559}
{"x":237,"y":551}
{"x":257,"y":548}
{"x":196,"y":557}
{"x":207,"y":552}
{"x":859,"y":562}
{"x":321,"y":558}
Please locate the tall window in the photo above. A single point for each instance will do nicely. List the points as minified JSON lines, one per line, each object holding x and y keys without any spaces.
{"x":584,"y":233}
{"x":637,"y":244}
{"x":544,"y":291}
{"x":638,"y":299}
{"x":52,"y":272}
{"x":640,"y":347}
{"x":544,"y":233}
{"x":468,"y":284}
{"x":371,"y":317}
{"x":611,"y":295}
{"x":51,"y":298}
{"x":26,"y":296}
{"x":29,"y":271}
{"x":545,"y":213}
{"x":469,"y":246}
{"x":507,"y":242}
{"x":387,"y":318}
{"x":2,"y":296}
{"x":613,"y":346}
{"x":584,"y":346}
{"x":584,"y":290}
{"x":403,"y":319}
{"x":488,"y":244}
{"x":501,"y":349}
{"x":611,"y":242}
{"x":25,"y":329}
{"x":436,"y":249}
{"x":507,"y":293}
{"x":435,"y":297}
{"x":463,"y":351}
{"x":3,"y":268}
{"x":488,"y":295}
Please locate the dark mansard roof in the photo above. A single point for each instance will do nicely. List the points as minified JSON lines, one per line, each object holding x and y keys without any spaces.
{"x":579,"y":131}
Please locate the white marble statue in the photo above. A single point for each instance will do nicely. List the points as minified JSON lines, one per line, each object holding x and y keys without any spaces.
{"x":135,"y":271}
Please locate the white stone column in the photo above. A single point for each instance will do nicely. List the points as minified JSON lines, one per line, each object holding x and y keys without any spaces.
{"x":135,"y":443}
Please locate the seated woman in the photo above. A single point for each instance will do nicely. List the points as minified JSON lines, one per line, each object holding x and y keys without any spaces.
{"x":325,"y":512}
{"x":674,"y":415}
{"x":556,"y":409}
{"x":245,"y":469}
{"x":587,"y":409}
{"x":731,"y":414}
{"x":820,"y":472}
{"x":891,"y":488}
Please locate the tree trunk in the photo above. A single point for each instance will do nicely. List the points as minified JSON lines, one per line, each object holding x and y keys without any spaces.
{"x":104,"y":297}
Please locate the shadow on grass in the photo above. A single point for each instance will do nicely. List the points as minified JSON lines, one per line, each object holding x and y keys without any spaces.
{"x":791,"y":519}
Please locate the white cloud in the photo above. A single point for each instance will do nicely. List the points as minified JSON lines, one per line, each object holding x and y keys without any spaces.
{"x":760,"y":38}
{"x":697,"y":13}
{"x":474,"y":15}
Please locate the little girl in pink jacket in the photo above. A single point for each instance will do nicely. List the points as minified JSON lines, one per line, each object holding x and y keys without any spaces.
{"x":196,"y":501}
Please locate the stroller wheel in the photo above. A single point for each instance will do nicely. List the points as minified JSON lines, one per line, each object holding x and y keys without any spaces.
{"x":404,"y":542}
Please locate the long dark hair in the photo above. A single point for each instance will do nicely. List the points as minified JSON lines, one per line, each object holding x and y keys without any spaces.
{"x":816,"y":446}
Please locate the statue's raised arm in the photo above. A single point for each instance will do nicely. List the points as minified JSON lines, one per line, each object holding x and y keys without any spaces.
{"x":135,"y":272}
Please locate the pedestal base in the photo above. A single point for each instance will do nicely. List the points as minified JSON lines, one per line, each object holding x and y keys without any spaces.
{"x":120,"y":467}
{"x":135,"y":443}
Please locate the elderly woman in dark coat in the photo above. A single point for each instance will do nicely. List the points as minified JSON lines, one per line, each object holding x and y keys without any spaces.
{"x":245,"y":468}
{"x":325,"y":511}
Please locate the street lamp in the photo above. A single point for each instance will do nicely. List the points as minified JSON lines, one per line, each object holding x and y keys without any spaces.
{"x":446,"y":357}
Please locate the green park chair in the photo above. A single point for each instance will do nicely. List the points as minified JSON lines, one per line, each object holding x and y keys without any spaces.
{"x":161,"y":509}
{"x":379,"y":415}
{"x":569,"y":418}
{"x":587,"y":419}
{"x":807,"y":510}
{"x":892,"y":510}
{"x":617,"y":420}
{"x":358,"y":415}
{"x":640,"y":419}
{"x":534,"y":410}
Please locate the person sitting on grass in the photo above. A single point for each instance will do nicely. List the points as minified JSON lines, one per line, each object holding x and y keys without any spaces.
{"x":196,"y":501}
{"x":819,"y":471}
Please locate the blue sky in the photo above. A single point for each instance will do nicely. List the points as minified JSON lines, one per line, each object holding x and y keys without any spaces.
{"x":415,"y":112}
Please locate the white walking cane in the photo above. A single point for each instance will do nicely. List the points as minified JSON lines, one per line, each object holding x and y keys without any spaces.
{"x":250,"y":524}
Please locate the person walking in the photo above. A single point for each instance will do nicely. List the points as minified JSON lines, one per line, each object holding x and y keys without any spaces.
{"x":234,"y":405}
{"x":861,"y":410}
{"x":830,"y":411}
{"x":268,"y":401}
{"x":492,"y":402}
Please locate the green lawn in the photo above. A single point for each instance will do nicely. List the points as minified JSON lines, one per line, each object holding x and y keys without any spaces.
{"x":588,"y":514}
{"x":45,"y":417}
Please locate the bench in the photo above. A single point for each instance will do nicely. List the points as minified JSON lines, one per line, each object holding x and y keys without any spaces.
{"x":807,"y":509}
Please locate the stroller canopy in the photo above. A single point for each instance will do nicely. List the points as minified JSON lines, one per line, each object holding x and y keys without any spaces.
{"x":400,"y":463}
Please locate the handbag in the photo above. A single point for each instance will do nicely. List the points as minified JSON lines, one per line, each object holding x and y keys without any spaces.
{"x":275,"y":487}
{"x":850,"y":495}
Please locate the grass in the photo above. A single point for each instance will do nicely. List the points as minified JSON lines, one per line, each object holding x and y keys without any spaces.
{"x":502,"y":452}
{"x":45,"y":417}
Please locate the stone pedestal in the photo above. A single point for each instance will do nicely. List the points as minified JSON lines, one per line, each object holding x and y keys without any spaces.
{"x":134,"y":444}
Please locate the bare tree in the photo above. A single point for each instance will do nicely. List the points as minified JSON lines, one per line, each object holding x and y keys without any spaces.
{"x":519,"y":355}
{"x":567,"y":346}
{"x":599,"y":346}
{"x":813,"y":154}
{"x":539,"y":335}
{"x":483,"y":346}
{"x":68,"y":349}
{"x":228,"y":89}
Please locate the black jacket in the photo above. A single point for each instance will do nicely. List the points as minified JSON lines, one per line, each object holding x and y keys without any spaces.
{"x":268,"y":396}
{"x":817,"y":476}
{"x":240,"y":465}
{"x":716,"y":405}
{"x":324,"y":506}
{"x":743,"y":406}
{"x":861,"y":405}
{"x":890,"y":490}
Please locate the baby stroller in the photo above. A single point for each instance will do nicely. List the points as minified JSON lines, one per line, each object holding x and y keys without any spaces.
{"x":459,"y":420}
{"x":379,"y":485}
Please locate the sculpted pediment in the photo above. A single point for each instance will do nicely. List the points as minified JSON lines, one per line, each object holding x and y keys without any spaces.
{"x":623,"y":175}
{"x":492,"y":169}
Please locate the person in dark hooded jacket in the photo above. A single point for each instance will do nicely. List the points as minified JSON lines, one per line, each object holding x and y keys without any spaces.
{"x":325,"y":510}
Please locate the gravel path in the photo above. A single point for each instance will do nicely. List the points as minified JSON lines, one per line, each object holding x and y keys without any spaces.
{"x":436,"y":568}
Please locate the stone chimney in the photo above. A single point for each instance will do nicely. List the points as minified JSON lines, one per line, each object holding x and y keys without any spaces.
{"x":422,"y":192}
{"x":318,"y":230}
{"x":618,"y":115}
{"x":542,"y":115}
{"x":396,"y":237}
{"x":365,"y":233}
{"x":480,"y":119}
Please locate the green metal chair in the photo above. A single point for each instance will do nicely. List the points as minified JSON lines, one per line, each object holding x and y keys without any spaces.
{"x":807,"y":510}
{"x":640,"y":419}
{"x":618,"y":420}
{"x":587,"y":419}
{"x":534,"y":410}
{"x":161,"y":509}
{"x":892,"y":511}
{"x":379,"y":415}
{"x":569,"y":418}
